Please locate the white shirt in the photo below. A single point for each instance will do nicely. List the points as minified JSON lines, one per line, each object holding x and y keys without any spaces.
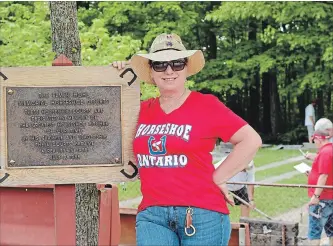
{"x":309,"y":111}
{"x":243,"y":176}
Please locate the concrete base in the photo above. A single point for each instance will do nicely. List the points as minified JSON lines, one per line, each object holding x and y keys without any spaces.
{"x":309,"y":146}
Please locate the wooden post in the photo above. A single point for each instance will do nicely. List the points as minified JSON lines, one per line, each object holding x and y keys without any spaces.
{"x":64,"y":200}
{"x":109,"y":216}
{"x":64,"y":215}
{"x":64,"y":197}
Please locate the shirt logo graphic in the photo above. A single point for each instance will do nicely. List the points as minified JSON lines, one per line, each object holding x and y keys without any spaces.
{"x":157,"y":147}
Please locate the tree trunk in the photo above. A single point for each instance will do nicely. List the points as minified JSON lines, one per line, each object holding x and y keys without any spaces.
{"x":329,"y":95}
{"x":65,"y":33}
{"x":303,"y":100}
{"x":292,"y":119}
{"x":301,"y":106}
{"x":210,"y":35}
{"x":254,"y":109}
{"x":245,"y":101}
{"x":265,"y":92}
{"x":65,"y":40}
{"x":320,"y":104}
{"x":254,"y":86}
{"x":86,"y":198}
{"x":274,"y":103}
{"x":212,"y":45}
{"x":233,"y":103}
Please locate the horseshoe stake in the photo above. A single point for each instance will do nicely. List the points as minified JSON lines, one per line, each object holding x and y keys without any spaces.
{"x":126,"y":71}
{"x":4,"y":177}
{"x":3,"y":76}
{"x":130,"y":176}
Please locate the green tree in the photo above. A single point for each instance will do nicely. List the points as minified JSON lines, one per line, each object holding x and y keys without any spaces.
{"x":25,"y":34}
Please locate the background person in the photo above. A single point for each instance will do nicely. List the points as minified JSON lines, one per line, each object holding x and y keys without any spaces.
{"x":245,"y":192}
{"x":310,"y":119}
{"x":321,"y":200}
{"x":175,"y":134}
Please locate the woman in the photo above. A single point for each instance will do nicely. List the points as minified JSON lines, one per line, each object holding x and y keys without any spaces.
{"x":182,"y":200}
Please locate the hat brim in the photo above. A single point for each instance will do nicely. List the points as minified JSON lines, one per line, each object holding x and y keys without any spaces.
{"x":141,"y":67}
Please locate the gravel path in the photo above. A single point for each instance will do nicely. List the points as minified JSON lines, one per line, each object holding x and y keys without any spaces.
{"x":277,"y":178}
{"x":130,"y":203}
{"x":280,"y":163}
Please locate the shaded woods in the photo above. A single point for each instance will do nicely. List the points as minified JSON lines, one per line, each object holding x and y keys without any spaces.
{"x":265,"y":60}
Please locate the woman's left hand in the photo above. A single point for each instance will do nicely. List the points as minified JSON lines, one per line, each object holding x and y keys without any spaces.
{"x":228,"y":198}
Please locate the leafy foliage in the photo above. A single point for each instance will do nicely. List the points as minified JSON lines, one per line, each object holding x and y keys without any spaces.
{"x":247,"y":45}
{"x":25,"y":34}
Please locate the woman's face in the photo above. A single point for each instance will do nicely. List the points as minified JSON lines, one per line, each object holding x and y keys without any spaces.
{"x":170,"y":79}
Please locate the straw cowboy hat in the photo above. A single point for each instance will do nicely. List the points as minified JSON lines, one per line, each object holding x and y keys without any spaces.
{"x":166,"y":47}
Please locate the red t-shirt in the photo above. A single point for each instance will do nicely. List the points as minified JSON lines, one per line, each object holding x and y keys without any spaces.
{"x":173,"y":152}
{"x":323,"y":164}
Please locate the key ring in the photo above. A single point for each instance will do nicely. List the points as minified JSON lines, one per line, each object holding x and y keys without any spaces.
{"x":190,"y":234}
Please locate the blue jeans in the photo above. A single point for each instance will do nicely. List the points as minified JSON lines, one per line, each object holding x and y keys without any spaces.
{"x":316,"y":225}
{"x":157,"y":226}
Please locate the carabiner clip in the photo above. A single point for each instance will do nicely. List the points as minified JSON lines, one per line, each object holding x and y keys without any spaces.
{"x":188,"y":222}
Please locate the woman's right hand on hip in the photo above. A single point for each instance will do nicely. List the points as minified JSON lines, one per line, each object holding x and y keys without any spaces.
{"x":228,"y":198}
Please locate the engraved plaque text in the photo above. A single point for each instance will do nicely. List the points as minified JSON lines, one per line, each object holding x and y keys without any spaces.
{"x":62,"y":126}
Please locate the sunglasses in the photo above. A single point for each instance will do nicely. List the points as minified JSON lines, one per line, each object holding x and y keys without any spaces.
{"x":318,"y":137}
{"x":161,"y":66}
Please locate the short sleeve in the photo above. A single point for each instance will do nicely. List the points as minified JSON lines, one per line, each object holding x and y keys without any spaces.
{"x":325,"y":162}
{"x":307,"y":110}
{"x":146,"y":109}
{"x":312,"y":111}
{"x":225,"y":122}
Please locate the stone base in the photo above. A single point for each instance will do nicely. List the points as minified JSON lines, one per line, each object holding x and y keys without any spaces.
{"x":309,"y":145}
{"x":271,"y":232}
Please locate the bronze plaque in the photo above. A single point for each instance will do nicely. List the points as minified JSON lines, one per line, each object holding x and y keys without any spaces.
{"x":62,"y":126}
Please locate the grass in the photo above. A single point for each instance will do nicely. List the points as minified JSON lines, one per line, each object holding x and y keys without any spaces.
{"x":276,"y":200}
{"x":132,"y":190}
{"x":271,"y":172}
{"x":266,"y":156}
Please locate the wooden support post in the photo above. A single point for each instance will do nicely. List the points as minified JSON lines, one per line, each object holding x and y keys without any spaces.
{"x":109,"y":216}
{"x":64,"y":214}
{"x":64,"y":197}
